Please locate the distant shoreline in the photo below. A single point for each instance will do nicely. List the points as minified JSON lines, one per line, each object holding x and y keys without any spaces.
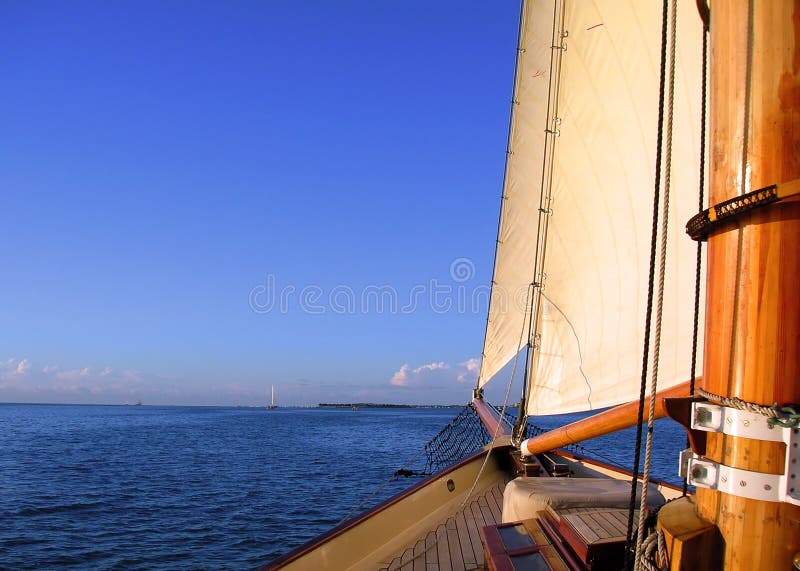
{"x":385,"y":405}
{"x":253,"y":406}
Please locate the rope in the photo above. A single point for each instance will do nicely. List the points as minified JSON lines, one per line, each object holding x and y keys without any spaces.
{"x":651,"y":274}
{"x":661,"y":278}
{"x":502,"y":412}
{"x":700,"y":204}
{"x":654,"y":556}
{"x":786,"y":417}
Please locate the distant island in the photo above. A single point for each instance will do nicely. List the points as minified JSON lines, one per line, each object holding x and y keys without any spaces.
{"x":378,"y":405}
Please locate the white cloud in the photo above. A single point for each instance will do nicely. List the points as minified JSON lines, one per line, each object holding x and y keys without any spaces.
{"x":437,"y":372}
{"x":401,"y":377}
{"x":13,"y":369}
{"x":20,"y":379}
{"x":23,"y":367}
{"x":468,"y":370}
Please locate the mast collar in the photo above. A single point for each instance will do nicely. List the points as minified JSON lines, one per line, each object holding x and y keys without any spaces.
{"x":704,"y":473}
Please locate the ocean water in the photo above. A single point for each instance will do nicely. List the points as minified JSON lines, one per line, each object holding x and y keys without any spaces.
{"x":146,"y":487}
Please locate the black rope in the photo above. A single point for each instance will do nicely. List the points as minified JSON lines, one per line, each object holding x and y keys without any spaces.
{"x":701,"y":200}
{"x":629,"y":555}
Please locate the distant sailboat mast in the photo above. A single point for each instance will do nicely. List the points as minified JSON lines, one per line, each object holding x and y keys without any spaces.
{"x":272,"y":404}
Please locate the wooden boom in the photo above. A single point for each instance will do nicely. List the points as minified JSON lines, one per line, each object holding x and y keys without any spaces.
{"x":623,"y":416}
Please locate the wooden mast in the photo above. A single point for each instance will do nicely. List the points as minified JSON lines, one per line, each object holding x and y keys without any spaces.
{"x":752,"y":333}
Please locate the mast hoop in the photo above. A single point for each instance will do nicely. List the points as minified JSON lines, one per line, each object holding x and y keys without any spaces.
{"x":709,"y":221}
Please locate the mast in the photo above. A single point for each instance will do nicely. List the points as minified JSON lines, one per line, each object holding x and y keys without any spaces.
{"x":752,"y":330}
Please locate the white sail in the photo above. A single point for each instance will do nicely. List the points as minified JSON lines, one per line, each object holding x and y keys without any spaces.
{"x":594,"y":270}
{"x":506,"y":328}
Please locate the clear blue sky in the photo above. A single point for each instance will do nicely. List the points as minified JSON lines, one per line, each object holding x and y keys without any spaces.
{"x":164,"y":166}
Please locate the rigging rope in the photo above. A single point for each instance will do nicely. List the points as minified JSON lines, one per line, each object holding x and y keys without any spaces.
{"x":661,"y":277}
{"x":651,"y":275}
{"x":700,"y":204}
{"x":502,"y":412}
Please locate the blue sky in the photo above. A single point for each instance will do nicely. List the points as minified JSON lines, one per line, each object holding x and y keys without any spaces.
{"x":167,"y":167}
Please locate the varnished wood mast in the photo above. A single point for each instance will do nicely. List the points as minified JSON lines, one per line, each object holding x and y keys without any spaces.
{"x":753,"y":303}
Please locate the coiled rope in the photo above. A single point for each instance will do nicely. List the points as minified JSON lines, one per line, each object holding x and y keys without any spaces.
{"x":654,"y":555}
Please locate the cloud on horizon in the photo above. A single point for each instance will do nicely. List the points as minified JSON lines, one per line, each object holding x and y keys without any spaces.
{"x":436,"y":373}
{"x":20,"y":378}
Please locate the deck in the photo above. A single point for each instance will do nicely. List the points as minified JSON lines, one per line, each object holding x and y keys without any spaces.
{"x":456,"y":543}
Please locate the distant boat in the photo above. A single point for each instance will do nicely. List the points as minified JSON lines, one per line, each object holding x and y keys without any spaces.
{"x":272,"y":405}
{"x":137,"y":403}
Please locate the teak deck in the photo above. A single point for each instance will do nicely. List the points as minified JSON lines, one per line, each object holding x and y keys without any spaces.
{"x":456,"y":544}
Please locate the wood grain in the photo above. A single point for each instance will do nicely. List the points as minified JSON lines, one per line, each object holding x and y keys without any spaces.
{"x":753,"y":307}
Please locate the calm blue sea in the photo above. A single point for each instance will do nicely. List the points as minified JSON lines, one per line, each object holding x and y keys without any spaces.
{"x":146,"y":487}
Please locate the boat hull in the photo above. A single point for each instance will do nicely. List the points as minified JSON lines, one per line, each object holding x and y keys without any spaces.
{"x":374,"y":538}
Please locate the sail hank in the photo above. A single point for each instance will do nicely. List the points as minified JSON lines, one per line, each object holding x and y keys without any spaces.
{"x":589,"y":317}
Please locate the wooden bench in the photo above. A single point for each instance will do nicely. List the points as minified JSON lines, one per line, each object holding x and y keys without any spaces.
{"x":580,"y":539}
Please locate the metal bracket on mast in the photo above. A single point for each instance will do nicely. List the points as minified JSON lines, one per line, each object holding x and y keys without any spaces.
{"x":705,"y":473}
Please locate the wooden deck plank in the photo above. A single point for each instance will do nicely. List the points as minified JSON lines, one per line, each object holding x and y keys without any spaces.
{"x":431,"y":555}
{"x":454,"y":545}
{"x":488,"y":516}
{"x":474,"y":533}
{"x":611,"y":523}
{"x":497,"y":492}
{"x":467,"y":551}
{"x":419,"y":555}
{"x":620,"y":519}
{"x":477,"y":514}
{"x":442,"y":548}
{"x":497,"y":511}
{"x":586,"y":532}
{"x":599,"y":525}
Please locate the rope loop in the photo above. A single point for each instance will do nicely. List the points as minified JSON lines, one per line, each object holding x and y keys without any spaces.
{"x":789,"y":417}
